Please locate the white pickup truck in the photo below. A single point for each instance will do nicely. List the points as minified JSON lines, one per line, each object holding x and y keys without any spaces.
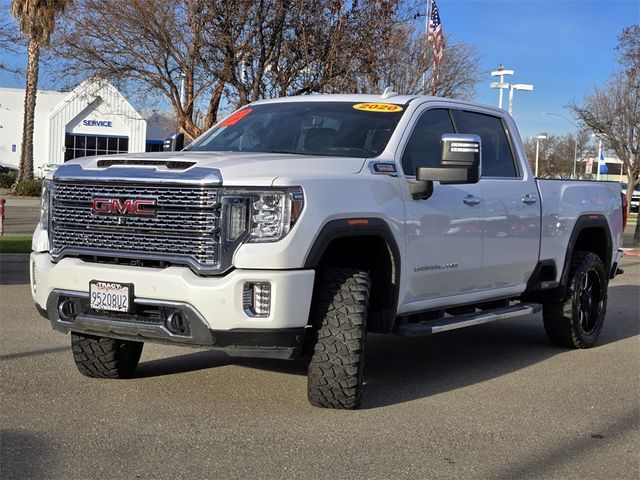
{"x":296,"y":226}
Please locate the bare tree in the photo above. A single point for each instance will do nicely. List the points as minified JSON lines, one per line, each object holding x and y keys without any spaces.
{"x":557,"y":153}
{"x":613,"y":110}
{"x":36,"y":19}
{"x":407,"y":55}
{"x":11,"y":42}
{"x":145,"y":46}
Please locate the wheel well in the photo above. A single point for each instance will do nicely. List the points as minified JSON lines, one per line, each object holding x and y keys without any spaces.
{"x":595,"y":240}
{"x":373,"y":254}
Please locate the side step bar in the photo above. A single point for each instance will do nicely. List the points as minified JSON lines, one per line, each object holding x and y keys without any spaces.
{"x":467,"y":320}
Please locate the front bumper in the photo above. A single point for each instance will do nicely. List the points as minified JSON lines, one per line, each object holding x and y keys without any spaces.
{"x":211,"y":308}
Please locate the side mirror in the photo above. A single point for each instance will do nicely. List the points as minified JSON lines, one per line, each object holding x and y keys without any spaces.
{"x":459,"y":163}
{"x":174,"y":143}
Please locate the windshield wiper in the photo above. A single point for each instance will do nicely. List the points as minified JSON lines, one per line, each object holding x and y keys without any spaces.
{"x":295,"y":152}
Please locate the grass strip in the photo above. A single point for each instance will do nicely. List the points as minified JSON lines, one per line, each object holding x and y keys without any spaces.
{"x":15,"y":244}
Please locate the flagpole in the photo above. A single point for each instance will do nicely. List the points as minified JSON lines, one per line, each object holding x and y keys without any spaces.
{"x":426,"y":33}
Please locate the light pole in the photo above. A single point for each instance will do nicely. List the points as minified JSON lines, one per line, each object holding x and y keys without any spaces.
{"x":518,"y":86}
{"x":501,"y":85}
{"x":542,"y":136}
{"x":575,"y":139}
{"x":182,"y":77}
{"x":599,"y":157}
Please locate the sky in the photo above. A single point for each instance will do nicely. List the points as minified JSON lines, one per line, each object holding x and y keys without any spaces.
{"x":562,"y":47}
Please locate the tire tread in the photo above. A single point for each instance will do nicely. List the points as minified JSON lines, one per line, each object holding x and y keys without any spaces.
{"x":340,"y":313}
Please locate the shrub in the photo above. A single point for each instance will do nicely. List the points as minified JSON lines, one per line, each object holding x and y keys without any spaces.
{"x":29,"y":188}
{"x":7,"y":179}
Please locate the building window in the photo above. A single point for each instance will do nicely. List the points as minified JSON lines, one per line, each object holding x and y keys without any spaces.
{"x":86,"y":145}
{"x":154,"y":146}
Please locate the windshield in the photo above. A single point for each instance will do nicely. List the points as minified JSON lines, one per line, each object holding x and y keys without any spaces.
{"x":307,"y":128}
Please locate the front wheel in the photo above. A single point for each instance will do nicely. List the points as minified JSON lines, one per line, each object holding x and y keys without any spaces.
{"x":101,"y":357}
{"x":577,"y":321}
{"x":339,"y":321}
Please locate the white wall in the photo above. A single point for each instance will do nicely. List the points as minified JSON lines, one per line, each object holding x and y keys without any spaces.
{"x":11,"y":117}
{"x":94,"y":108}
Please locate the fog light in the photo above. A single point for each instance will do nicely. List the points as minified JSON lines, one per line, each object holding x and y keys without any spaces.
{"x":256,"y":299}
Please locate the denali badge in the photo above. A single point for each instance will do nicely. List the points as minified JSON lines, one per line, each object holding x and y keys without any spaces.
{"x":130,"y":206}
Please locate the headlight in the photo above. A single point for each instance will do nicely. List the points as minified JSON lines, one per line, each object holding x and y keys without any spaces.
{"x":261,"y":215}
{"x":44,"y":204}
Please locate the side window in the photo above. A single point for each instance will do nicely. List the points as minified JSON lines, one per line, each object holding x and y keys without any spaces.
{"x":497,"y":158}
{"x":423,"y":148}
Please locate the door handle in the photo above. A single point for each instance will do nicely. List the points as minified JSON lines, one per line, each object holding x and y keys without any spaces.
{"x":471,"y":200}
{"x":529,"y":199}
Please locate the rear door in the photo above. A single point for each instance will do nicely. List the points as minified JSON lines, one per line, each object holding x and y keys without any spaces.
{"x":510,"y":200}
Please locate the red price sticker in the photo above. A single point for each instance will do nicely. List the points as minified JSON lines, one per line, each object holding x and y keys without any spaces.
{"x":236,"y":117}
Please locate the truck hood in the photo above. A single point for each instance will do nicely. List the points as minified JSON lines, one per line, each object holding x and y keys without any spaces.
{"x":236,"y":168}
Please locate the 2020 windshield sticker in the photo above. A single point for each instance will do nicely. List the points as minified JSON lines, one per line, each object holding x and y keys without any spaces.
{"x":378,"y":107}
{"x":236,"y":117}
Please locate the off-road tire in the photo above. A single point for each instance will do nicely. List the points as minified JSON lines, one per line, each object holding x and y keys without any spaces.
{"x":101,"y":357}
{"x":339,"y":321}
{"x":577,"y":321}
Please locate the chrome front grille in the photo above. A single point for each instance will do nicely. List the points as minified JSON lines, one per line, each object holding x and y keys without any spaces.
{"x":184,"y":229}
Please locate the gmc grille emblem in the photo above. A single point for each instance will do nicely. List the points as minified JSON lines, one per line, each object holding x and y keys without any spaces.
{"x":130,"y":206}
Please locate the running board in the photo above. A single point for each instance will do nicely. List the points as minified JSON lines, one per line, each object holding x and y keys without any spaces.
{"x":467,"y":320}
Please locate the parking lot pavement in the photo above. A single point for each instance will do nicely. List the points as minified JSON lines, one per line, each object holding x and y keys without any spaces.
{"x":21,"y":214}
{"x":494,"y":401}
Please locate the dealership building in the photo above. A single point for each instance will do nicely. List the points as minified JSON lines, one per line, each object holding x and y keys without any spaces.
{"x":93,"y":119}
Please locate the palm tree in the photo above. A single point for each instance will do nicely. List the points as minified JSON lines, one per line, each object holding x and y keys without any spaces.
{"x":37,"y":21}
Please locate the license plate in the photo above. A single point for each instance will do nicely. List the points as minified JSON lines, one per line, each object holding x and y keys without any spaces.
{"x":112,"y":296}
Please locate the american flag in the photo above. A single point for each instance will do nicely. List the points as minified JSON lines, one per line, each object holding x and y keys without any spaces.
{"x":435,"y":34}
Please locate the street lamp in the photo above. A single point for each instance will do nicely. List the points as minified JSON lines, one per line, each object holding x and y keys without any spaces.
{"x":575,"y":139}
{"x":182,"y":76}
{"x":542,"y":136}
{"x":518,"y":86}
{"x":500,"y":72}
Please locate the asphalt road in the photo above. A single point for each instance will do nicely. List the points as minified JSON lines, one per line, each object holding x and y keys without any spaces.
{"x":495,"y":401}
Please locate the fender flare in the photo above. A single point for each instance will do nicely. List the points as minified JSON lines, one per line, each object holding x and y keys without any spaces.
{"x":584,"y":222}
{"x":361,"y":227}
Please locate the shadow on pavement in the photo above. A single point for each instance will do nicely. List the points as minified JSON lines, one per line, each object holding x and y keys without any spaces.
{"x":22,"y":455}
{"x":33,"y":353}
{"x":14,"y":269}
{"x":400,"y":369}
{"x":546,"y":464}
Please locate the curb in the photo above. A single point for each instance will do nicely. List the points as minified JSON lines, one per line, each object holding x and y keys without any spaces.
{"x":633,"y":252}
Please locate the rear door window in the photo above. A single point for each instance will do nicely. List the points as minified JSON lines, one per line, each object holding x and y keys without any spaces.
{"x":497,"y":156}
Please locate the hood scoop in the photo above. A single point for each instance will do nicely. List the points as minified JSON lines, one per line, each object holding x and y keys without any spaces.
{"x":169,"y":164}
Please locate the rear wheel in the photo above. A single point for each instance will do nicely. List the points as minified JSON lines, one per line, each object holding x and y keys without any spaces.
{"x":101,"y":357}
{"x":577,"y":321}
{"x":339,"y":330}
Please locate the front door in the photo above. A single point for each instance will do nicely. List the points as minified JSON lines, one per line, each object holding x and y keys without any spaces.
{"x":444,"y":239}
